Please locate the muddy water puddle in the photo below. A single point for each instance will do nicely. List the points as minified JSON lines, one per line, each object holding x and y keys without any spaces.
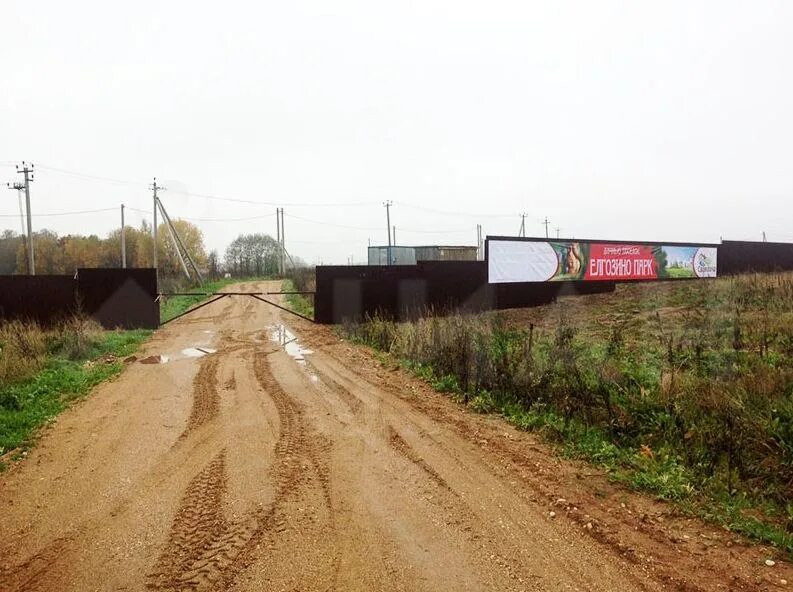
{"x":288,"y":340}
{"x":197,"y":352}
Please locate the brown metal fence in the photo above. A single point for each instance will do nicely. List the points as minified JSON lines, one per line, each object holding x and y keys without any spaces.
{"x":114,"y":297}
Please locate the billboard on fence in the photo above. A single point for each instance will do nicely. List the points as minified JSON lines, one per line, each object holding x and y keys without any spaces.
{"x":531,"y":260}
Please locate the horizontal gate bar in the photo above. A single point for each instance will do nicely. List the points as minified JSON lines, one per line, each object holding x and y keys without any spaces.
{"x":195,"y":308}
{"x":219,"y":295}
{"x":231,"y":293}
{"x":297,"y":314}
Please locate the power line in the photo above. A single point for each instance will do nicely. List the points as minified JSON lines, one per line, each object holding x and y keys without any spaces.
{"x":415,"y":230}
{"x":191,"y":219}
{"x":409,"y":230}
{"x":209,"y":196}
{"x":274,"y":203}
{"x":91,"y":177}
{"x":332,"y":223}
{"x":452,"y":213}
{"x":204,"y":195}
{"x":72,"y":213}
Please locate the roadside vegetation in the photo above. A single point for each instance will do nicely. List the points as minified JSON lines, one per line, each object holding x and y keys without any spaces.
{"x":172,"y":306}
{"x":300,"y":279}
{"x":680,"y":389}
{"x":43,"y":370}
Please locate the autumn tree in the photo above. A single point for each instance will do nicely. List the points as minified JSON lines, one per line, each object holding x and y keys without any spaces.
{"x":252,"y":255}
{"x":9,"y":245}
{"x":64,"y":254}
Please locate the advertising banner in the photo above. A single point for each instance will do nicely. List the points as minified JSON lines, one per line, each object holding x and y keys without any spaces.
{"x":547,"y":261}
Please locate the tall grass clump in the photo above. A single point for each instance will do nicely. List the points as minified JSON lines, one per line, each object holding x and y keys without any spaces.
{"x":25,"y":346}
{"x":682,"y":389}
{"x":23,"y":349}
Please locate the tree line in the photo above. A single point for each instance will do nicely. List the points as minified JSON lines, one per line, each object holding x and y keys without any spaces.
{"x":248,"y":255}
{"x":56,"y":254}
{"x":251,"y":255}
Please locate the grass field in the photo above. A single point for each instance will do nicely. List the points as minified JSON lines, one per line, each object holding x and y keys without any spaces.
{"x":683,"y":389}
{"x":680,"y":272}
{"x":43,"y":371}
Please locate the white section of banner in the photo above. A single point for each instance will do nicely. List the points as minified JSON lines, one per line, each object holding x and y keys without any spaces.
{"x":705,"y":262}
{"x":520,"y":261}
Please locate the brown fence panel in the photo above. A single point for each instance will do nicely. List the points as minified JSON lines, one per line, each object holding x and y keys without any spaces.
{"x":113,"y":297}
{"x":748,"y":256}
{"x":124,"y":298}
{"x":45,"y":299}
{"x":405,"y":291}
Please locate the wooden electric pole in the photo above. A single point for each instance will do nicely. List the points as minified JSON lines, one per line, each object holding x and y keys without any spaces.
{"x":123,"y":240}
{"x":27,"y":171}
{"x":155,"y":188}
{"x":388,"y":205}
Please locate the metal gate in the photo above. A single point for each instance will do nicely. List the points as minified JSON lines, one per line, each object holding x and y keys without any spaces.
{"x":215,"y":296}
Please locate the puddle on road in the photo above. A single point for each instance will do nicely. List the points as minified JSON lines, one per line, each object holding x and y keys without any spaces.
{"x":197,"y":352}
{"x":286,"y":339}
{"x":155,"y":360}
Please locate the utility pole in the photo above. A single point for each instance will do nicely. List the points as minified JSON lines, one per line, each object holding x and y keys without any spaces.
{"x":155,"y":188}
{"x":522,"y":231}
{"x":19,"y":187}
{"x":546,"y":227}
{"x":388,"y":204}
{"x":27,"y":171}
{"x":178,"y":243}
{"x":557,"y":231}
{"x":283,"y":244}
{"x":278,"y":239}
{"x":173,"y":239}
{"x":478,"y":242}
{"x":123,"y":241}
{"x":764,"y":236}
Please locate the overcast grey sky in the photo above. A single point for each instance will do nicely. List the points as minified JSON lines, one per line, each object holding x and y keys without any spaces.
{"x":637,"y":120}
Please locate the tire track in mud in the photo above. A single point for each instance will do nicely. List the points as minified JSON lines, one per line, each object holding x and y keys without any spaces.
{"x":294,"y":451}
{"x":33,"y":573}
{"x":201,"y":542}
{"x":206,"y":401}
{"x":403,"y":448}
{"x":205,"y":551}
{"x":348,"y":398}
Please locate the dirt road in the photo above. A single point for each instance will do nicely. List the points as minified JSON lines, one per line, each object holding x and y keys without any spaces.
{"x":248,"y":468}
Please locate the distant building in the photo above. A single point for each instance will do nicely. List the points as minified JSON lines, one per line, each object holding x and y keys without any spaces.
{"x":412,"y":255}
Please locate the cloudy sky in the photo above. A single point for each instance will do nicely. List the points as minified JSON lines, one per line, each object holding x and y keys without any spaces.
{"x":635,"y":119}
